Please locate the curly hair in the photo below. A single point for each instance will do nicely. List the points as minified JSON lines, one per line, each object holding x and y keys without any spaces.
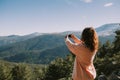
{"x":90,"y":38}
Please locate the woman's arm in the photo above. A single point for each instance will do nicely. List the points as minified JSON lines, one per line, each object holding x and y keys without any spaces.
{"x":73,"y":47}
{"x":75,"y":39}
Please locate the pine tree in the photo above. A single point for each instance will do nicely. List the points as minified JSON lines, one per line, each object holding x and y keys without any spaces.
{"x":5,"y":72}
{"x":60,"y":68}
{"x":109,"y":60}
{"x":117,"y":42}
{"x":22,"y":72}
{"x":39,"y":72}
{"x":105,"y":49}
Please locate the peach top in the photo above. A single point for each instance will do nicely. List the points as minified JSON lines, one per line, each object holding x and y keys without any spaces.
{"x":83,"y":64}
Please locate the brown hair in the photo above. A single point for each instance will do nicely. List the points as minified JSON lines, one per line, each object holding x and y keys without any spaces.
{"x":90,"y":38}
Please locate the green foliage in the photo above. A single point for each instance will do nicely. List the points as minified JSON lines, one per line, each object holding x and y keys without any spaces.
{"x":5,"y":72}
{"x":39,"y":73}
{"x":39,"y":50}
{"x":108,"y":59}
{"x":60,"y":68}
{"x":49,"y":55}
{"x":21,"y":72}
{"x":105,"y":49}
{"x":107,"y":64}
{"x":117,"y":41}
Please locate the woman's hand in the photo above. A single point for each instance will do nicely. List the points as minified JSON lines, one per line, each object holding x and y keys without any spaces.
{"x":71,"y":36}
{"x":75,"y":39}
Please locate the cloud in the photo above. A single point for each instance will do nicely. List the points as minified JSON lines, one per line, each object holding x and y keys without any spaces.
{"x":87,"y":1}
{"x":108,"y":4}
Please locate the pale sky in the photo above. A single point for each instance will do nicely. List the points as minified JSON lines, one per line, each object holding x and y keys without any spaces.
{"x":22,"y":17}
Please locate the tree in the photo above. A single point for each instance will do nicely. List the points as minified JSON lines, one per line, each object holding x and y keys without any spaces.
{"x":109,"y":59}
{"x":39,"y":72}
{"x":59,"y":68}
{"x":117,"y":42}
{"x":22,"y":72}
{"x":5,"y":72}
{"x":105,"y":49}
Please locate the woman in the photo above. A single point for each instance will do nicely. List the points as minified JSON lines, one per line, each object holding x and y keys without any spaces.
{"x":84,"y":50}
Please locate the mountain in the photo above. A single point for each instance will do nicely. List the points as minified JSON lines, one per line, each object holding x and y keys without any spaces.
{"x":43,"y":48}
{"x":36,"y":49}
{"x":71,"y":32}
{"x":108,"y":29}
{"x":5,"y":40}
{"x":107,"y":32}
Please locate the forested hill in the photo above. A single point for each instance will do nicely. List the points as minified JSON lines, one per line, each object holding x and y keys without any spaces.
{"x":40,"y":49}
{"x":107,"y":32}
{"x":5,"y":40}
{"x":44,"y":48}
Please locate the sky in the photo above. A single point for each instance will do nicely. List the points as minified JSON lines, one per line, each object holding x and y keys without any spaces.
{"x":22,"y":17}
